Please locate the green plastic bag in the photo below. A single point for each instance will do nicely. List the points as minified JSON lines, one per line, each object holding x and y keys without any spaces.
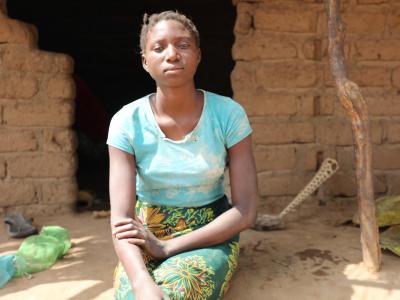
{"x":390,"y":239}
{"x":61,"y":234}
{"x":7,"y":268}
{"x":40,"y":252}
{"x":387,"y":211}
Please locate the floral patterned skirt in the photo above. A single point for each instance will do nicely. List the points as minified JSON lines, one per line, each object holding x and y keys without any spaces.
{"x":200,"y":274}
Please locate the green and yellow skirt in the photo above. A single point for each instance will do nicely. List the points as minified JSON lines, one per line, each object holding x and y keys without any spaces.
{"x":200,"y":274}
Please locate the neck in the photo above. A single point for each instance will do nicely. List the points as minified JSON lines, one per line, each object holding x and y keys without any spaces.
{"x":176,"y":101}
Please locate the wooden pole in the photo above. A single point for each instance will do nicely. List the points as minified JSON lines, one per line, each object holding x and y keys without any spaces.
{"x":356,"y":109}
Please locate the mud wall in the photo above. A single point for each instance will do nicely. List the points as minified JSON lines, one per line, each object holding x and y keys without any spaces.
{"x":282,"y":78}
{"x":37,"y":147}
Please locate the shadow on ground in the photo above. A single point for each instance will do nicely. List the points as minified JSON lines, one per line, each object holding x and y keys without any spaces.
{"x":310,"y":259}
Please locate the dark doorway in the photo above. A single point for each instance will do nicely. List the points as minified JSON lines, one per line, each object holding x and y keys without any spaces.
{"x":103,"y":39}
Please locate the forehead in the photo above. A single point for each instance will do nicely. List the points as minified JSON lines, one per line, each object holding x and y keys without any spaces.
{"x":168,"y":29}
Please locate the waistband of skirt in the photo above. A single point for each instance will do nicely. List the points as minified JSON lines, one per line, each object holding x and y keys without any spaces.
{"x":222,"y":201}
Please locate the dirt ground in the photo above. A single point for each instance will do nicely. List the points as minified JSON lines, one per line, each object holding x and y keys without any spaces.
{"x":311,"y":259}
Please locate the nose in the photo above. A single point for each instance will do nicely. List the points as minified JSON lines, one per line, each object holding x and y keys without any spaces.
{"x":172,"y":53}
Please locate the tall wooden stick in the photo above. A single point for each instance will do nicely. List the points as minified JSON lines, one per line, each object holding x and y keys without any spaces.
{"x":356,"y":108}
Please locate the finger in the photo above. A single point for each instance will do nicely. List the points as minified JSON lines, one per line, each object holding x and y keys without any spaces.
{"x":124,"y":228}
{"x":137,"y":222}
{"x":129,"y":234}
{"x":137,"y":242}
{"x":123,"y":222}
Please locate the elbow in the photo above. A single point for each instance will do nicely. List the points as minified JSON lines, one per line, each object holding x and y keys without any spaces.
{"x":251,"y":219}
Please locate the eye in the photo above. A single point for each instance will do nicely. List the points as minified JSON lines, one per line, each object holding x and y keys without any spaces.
{"x":158,"y":48}
{"x":183,"y":45}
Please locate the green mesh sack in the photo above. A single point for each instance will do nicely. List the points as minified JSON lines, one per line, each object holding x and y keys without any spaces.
{"x":40,"y":252}
{"x":390,"y":239}
{"x":387,"y":211}
{"x":61,"y":234}
{"x":37,"y":253}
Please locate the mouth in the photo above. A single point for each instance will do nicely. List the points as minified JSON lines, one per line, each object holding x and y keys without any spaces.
{"x":173,"y":69}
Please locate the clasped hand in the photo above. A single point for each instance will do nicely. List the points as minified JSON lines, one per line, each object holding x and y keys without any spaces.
{"x":135,"y":233}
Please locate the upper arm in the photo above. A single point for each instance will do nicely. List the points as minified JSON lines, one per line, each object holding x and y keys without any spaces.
{"x":242,"y":175}
{"x":122,"y":183}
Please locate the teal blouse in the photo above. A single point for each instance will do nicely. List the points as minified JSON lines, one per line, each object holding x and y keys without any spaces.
{"x":184,"y":173}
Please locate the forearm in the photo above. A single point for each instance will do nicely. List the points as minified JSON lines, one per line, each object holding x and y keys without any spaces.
{"x":122,"y":200}
{"x":132,"y":260}
{"x":219,"y":230}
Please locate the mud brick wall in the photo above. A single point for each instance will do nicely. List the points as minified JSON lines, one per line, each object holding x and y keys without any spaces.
{"x":282,"y":78}
{"x":37,"y":146}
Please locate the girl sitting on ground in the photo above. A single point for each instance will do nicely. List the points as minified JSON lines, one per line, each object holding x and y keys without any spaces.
{"x":174,"y":231}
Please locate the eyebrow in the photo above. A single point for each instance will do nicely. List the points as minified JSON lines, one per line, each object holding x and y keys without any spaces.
{"x":178,"y":39}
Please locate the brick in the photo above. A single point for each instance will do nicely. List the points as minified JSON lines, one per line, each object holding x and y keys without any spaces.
{"x":275,"y":158}
{"x":334,"y":133}
{"x":262,"y":103}
{"x":372,"y":1}
{"x":311,"y":49}
{"x":272,"y":186}
{"x":298,"y":182}
{"x":42,"y":210}
{"x":393,"y":133}
{"x":344,"y":184}
{"x":2,"y":168}
{"x":285,"y":20}
{"x":345,"y":158}
{"x":324,"y":105}
{"x":59,"y":191}
{"x":340,"y":133}
{"x":243,"y":76}
{"x":18,"y":86}
{"x":283,"y":133}
{"x":61,"y":87}
{"x":279,"y":185}
{"x":244,"y":19}
{"x":42,"y":165}
{"x":287,"y":75}
{"x":58,"y":114}
{"x":306,"y":158}
{"x":341,"y":185}
{"x":370,"y":76}
{"x":364,"y":23}
{"x":305,"y":106}
{"x":394,"y":22}
{"x":17,"y":32}
{"x":261,"y":47}
{"x":378,"y":49}
{"x":340,"y":111}
{"x":380,"y":185}
{"x":386,"y":158}
{"x":32,"y":60}
{"x":396,"y":77}
{"x":394,"y":185}
{"x":59,"y":141}
{"x":383,"y":106}
{"x":12,"y":140}
{"x":17,"y":193}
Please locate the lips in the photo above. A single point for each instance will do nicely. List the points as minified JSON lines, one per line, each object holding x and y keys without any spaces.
{"x":173,"y":69}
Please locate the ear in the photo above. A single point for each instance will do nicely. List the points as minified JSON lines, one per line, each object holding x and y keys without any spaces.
{"x":199,"y":58}
{"x":144,"y":63}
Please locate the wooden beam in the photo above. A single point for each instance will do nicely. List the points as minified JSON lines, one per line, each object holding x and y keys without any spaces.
{"x":356,"y":108}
